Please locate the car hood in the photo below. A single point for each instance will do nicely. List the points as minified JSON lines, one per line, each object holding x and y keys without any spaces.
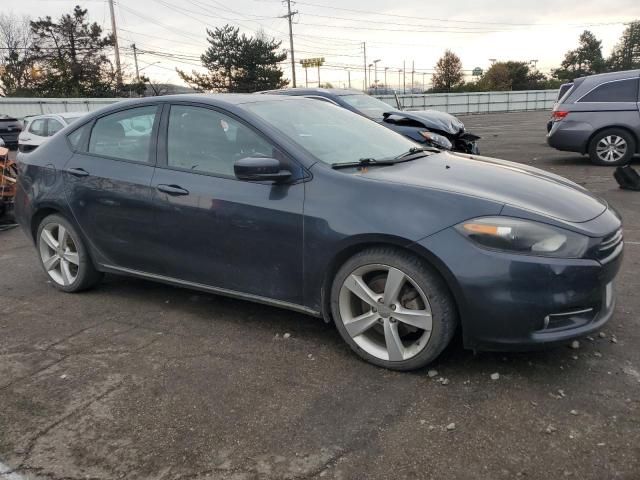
{"x":433,"y":120}
{"x":505,"y":182}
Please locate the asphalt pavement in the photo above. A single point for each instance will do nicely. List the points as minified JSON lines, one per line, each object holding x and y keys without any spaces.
{"x":141,"y":380}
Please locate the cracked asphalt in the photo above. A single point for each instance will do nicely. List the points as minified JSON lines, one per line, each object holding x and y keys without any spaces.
{"x":140,"y":380}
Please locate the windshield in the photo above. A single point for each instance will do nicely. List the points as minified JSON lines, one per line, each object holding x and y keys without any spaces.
{"x":367,"y":105}
{"x":330,"y":133}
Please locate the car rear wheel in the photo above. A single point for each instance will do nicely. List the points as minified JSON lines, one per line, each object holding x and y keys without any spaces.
{"x":612,"y":147}
{"x":64,"y":257}
{"x":392,"y":309}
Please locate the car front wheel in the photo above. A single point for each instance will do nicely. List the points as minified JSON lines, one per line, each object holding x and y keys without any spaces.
{"x":64,"y":256}
{"x":612,"y":147}
{"x":392,"y":309}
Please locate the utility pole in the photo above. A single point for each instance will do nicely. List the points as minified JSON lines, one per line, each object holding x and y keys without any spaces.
{"x":413,"y":71}
{"x":424,"y":85}
{"x":385,"y":77}
{"x":289,"y":16}
{"x":318,"y":74}
{"x":115,"y":44}
{"x":135,"y":61}
{"x":349,"y":77}
{"x":404,"y":77}
{"x":364,"y":47}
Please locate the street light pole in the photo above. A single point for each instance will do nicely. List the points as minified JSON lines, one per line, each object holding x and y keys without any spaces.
{"x":385,"y":76}
{"x":375,"y":69}
{"x":404,"y":77}
{"x":349,"y":77}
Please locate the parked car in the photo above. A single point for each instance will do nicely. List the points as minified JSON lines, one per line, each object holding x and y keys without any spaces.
{"x":430,"y":127}
{"x":9,"y":129}
{"x":38,"y":128}
{"x":599,"y":115}
{"x":299,"y":204}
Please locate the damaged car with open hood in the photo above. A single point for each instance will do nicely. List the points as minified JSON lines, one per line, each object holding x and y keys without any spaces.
{"x":428,"y":127}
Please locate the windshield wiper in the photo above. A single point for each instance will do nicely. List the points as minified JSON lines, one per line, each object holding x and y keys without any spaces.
{"x":415,"y":150}
{"x":365,"y":162}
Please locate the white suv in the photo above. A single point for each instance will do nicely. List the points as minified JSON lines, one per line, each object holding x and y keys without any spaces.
{"x":39,"y":128}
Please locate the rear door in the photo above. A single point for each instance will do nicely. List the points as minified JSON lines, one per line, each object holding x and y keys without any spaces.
{"x":108,"y":185}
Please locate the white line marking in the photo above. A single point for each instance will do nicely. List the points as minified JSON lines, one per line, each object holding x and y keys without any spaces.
{"x":5,"y":475}
{"x":631,"y":243}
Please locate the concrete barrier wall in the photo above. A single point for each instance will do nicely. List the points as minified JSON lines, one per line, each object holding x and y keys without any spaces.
{"x":455,"y":103}
{"x":476,"y":102}
{"x":23,"y":107}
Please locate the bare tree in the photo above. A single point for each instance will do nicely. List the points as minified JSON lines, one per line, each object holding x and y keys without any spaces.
{"x":16,"y":41}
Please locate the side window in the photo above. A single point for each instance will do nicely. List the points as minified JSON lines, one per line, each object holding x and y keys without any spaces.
{"x":75,"y":137}
{"x":620,"y":91}
{"x":125,"y":135}
{"x":204,"y":140}
{"x":54,"y":126}
{"x":38,"y":127}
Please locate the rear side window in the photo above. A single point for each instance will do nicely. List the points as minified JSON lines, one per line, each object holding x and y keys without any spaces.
{"x":75,"y":137}
{"x":564,"y":90}
{"x":54,"y":127}
{"x":618,"y":91}
{"x":38,"y":127}
{"x":124,"y":135}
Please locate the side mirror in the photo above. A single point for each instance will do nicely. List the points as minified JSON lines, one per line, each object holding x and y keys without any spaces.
{"x":260,"y":168}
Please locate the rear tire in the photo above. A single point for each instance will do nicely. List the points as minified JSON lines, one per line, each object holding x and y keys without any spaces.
{"x":64,"y":256}
{"x":392,"y":308}
{"x":612,"y":147}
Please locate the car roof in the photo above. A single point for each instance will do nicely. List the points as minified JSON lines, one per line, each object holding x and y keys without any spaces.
{"x":605,"y":77}
{"x":61,"y":115}
{"x":339,"y":92}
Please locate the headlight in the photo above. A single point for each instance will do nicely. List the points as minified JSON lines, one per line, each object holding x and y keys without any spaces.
{"x":525,"y":237}
{"x":437,"y":140}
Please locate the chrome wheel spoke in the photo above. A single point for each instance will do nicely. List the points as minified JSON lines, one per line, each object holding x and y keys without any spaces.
{"x":51,"y":262}
{"x":361,"y":324}
{"x":62,"y":236}
{"x":71,"y":257}
{"x":395,"y":348}
{"x":393,"y":285}
{"x":359,"y":288}
{"x":67,"y":276}
{"x":49,"y":239}
{"x":416,"y":318}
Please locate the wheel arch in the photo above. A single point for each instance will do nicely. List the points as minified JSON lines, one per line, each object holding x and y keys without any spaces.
{"x":363,"y":243}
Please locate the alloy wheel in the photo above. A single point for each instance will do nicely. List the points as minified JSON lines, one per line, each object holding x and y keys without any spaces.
{"x":385,"y":312}
{"x":611,"y":148}
{"x":59,"y":254}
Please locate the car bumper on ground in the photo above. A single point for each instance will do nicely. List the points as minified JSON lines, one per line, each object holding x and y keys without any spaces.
{"x":510,"y":302}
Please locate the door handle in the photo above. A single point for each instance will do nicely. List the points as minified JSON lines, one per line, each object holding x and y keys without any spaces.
{"x":77,"y":172}
{"x":172,"y":189}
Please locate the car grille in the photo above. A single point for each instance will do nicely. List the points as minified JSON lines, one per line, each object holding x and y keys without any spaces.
{"x":611,"y":246}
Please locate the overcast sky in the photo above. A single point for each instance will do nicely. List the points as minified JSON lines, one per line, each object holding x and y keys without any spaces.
{"x":395,"y":32}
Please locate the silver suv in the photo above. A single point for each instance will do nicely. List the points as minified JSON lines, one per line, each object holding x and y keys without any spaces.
{"x":599,"y":115}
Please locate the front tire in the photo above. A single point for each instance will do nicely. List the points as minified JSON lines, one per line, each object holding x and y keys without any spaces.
{"x":612,"y":147}
{"x":64,"y":256}
{"x":392,"y":309}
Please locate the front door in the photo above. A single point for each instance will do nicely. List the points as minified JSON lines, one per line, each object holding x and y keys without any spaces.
{"x":214,"y":229}
{"x":108,"y":185}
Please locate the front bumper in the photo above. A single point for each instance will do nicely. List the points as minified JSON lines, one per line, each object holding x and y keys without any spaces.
{"x":510,"y":302}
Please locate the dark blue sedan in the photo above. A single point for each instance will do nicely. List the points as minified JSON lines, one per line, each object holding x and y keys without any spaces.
{"x":303,"y":205}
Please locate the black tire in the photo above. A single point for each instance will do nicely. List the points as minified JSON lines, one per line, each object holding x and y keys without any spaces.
{"x":616,"y":132}
{"x":443,"y":309}
{"x":87,"y":275}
